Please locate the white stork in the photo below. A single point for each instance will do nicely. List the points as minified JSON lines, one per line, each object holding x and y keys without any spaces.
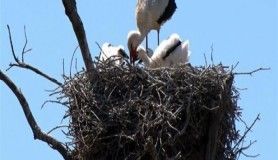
{"x":169,"y":53}
{"x":149,"y":53}
{"x":116,"y":54}
{"x":150,"y":15}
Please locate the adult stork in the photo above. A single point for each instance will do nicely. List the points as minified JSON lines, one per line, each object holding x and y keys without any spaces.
{"x":116,"y":54}
{"x":169,"y":53}
{"x":150,"y":15}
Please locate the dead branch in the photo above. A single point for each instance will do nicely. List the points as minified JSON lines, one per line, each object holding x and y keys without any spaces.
{"x":211,"y":54}
{"x":240,"y":151}
{"x":56,"y":102}
{"x":76,"y":48}
{"x":57,"y":127}
{"x":101,"y":51}
{"x":37,"y":132}
{"x":246,"y":132}
{"x":71,"y":12}
{"x":22,"y":64}
{"x":25,"y":45}
{"x":251,"y":72}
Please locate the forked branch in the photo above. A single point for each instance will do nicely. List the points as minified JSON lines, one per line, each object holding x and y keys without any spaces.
{"x":251,"y":72}
{"x":22,"y":64}
{"x":37,"y":132}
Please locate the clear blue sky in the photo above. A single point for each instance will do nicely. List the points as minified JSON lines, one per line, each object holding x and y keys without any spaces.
{"x":240,"y":30}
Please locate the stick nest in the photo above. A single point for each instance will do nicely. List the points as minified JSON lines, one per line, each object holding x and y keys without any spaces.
{"x":131,"y":113}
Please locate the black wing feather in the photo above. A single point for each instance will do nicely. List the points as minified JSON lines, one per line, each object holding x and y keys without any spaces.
{"x":171,"y":50}
{"x":168,"y":12}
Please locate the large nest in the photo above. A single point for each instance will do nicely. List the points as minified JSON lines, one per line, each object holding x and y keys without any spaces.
{"x":129,"y":112}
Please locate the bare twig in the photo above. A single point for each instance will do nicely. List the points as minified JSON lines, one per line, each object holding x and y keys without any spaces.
{"x":27,"y":66}
{"x":53,"y":101}
{"x":72,"y":58}
{"x":25,"y":45}
{"x":63,"y":66}
{"x":211,"y":54}
{"x":75,"y":66}
{"x":24,"y":65}
{"x":234,"y":67}
{"x":101,"y":51}
{"x":71,"y":12}
{"x":37,"y":132}
{"x":240,"y":151}
{"x":57,"y":127}
{"x":250,"y":156}
{"x":251,"y":72}
{"x":205,"y":57}
{"x":246,"y":132}
{"x":11,"y":43}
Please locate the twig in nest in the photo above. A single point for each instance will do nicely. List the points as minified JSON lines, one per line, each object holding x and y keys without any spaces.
{"x":57,"y":127}
{"x":246,"y":132}
{"x":234,"y":67}
{"x":252,"y":72}
{"x":72,"y":58}
{"x":211,"y":54}
{"x":205,"y":57}
{"x":241,"y":151}
{"x":53,"y":101}
{"x":101,"y":51}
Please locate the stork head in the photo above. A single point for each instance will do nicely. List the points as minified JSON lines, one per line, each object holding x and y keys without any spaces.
{"x":134,"y":39}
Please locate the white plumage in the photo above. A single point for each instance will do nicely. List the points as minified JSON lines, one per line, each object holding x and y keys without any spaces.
{"x":169,"y":53}
{"x":115,"y":54}
{"x":150,"y":15}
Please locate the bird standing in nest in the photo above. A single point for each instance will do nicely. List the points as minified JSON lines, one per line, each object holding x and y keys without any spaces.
{"x":150,"y":15}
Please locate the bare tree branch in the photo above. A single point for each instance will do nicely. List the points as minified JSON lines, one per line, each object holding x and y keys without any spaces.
{"x":25,"y":45}
{"x":57,"y":127}
{"x":24,"y":65}
{"x":246,"y":132}
{"x":37,"y":132}
{"x":27,"y":66}
{"x":71,"y":12}
{"x":251,"y":72}
{"x":240,"y":151}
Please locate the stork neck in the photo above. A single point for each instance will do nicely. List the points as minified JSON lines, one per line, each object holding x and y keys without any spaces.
{"x":143,"y":32}
{"x":145,"y":58}
{"x":140,"y":37}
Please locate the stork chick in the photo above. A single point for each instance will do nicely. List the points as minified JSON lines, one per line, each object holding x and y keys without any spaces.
{"x":116,"y":54}
{"x":169,"y":53}
{"x":150,"y":15}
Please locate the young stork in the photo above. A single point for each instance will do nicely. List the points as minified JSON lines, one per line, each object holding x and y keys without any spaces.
{"x":150,"y":15}
{"x":169,"y":53}
{"x":116,"y":54}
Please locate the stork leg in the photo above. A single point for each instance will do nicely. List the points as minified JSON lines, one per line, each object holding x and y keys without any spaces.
{"x":158,"y":31}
